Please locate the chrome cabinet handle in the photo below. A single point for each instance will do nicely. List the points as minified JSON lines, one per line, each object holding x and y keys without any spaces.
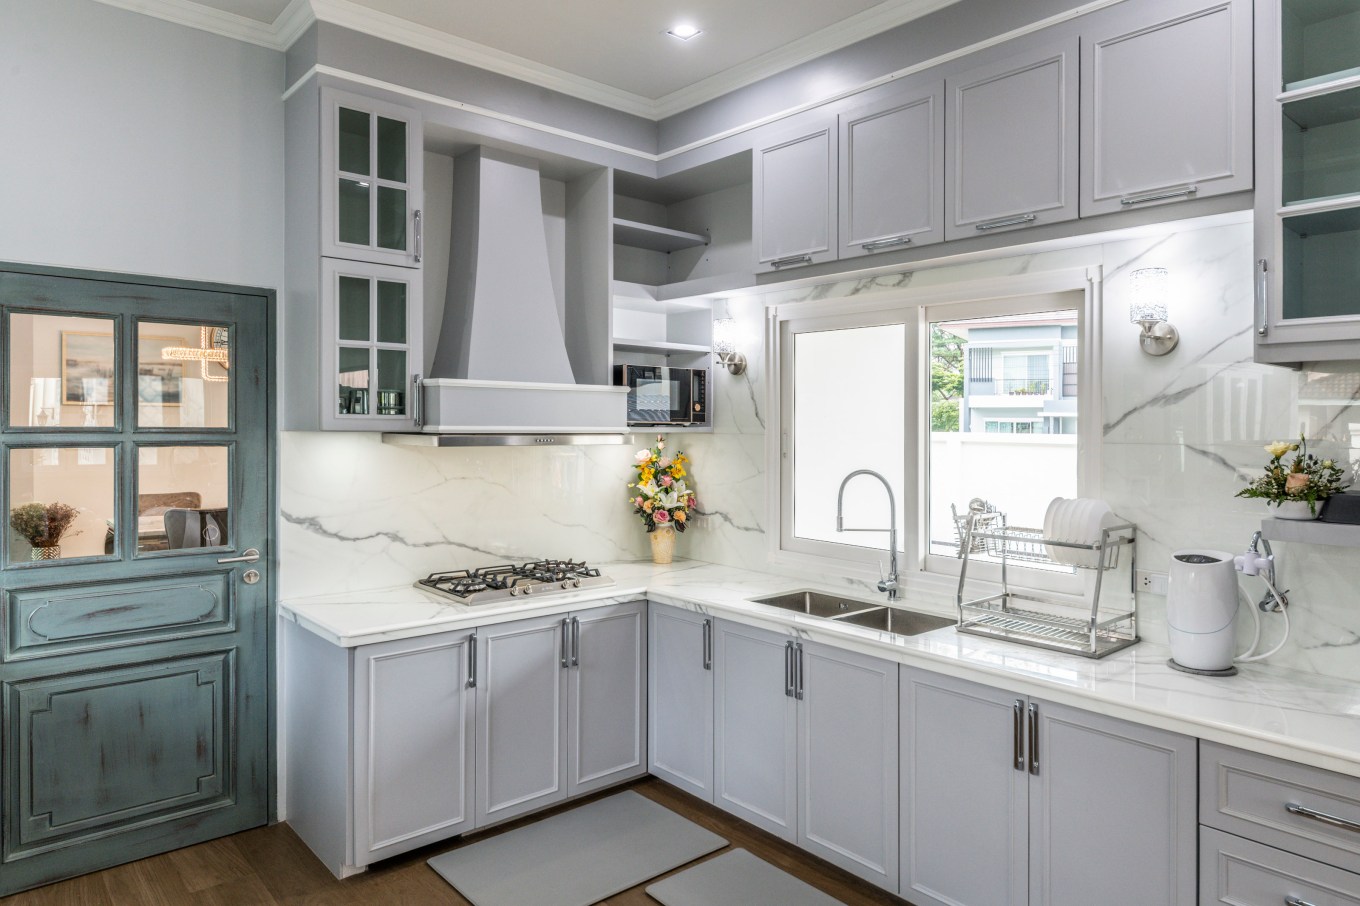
{"x":708,"y":644}
{"x":885,"y":243}
{"x":1033,"y":738}
{"x":1144,"y":197}
{"x":1262,"y":288}
{"x":1295,"y":901}
{"x":420,"y":236}
{"x":472,"y":661}
{"x":250,"y":556}
{"x":788,"y":669}
{"x":798,"y":671}
{"x":1304,"y":812}
{"x":417,"y":401}
{"x":1005,"y":222}
{"x":575,"y":641}
{"x":792,"y":259}
{"x":1018,"y":728}
{"x":566,"y":642}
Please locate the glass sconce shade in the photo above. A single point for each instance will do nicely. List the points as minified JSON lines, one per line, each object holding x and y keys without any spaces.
{"x":724,"y":335}
{"x":1149,"y":294}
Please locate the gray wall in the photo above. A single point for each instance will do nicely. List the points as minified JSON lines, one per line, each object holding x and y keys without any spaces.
{"x":133,"y":144}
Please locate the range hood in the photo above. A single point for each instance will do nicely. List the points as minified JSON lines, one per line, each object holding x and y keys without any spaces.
{"x":502,"y":375}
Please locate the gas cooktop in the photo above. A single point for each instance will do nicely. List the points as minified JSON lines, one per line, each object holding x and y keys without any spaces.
{"x":497,"y":583}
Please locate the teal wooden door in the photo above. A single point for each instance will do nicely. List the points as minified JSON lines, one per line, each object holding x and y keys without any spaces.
{"x":136,"y":476}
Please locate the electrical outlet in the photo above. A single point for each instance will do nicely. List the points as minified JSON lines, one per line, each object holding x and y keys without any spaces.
{"x":1150,"y":583}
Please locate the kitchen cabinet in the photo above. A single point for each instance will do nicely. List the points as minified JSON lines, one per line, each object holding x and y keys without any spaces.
{"x":794,"y":196}
{"x":559,"y":709}
{"x":891,"y":155}
{"x":372,"y":186}
{"x":1011,"y":138}
{"x":805,"y":746}
{"x":1008,"y":800}
{"x":680,"y":699}
{"x":1238,"y":872}
{"x":1307,"y":224}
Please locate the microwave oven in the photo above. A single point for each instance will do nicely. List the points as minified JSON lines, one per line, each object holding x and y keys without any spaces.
{"x":659,"y":396}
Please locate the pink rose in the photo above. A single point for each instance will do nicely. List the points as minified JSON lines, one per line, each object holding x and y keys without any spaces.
{"x":661,"y":516}
{"x":637,"y":501}
{"x":664,"y":463}
{"x":667,"y":481}
{"x":1295,"y":482}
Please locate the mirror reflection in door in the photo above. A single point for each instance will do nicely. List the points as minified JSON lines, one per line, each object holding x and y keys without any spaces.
{"x":61,"y":503}
{"x":62,"y":371}
{"x":183,"y":375}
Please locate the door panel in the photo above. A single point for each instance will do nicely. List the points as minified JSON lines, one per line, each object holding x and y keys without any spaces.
{"x":794,"y":195}
{"x":136,"y":681}
{"x":680,"y":699}
{"x":607,"y":712}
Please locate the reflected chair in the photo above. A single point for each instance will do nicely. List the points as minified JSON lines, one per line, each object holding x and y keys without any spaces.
{"x":195,"y":528}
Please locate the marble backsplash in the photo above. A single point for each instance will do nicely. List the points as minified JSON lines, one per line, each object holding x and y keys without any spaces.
{"x":1181,"y":434}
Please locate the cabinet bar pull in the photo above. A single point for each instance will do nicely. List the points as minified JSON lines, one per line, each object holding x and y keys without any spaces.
{"x":472,"y":661}
{"x":708,"y":644}
{"x":1262,"y":288}
{"x":788,"y":669}
{"x":1143,"y":197}
{"x":798,"y":671}
{"x":420,"y":236}
{"x":576,"y":641}
{"x":1033,"y":738}
{"x":1304,"y":812}
{"x":792,"y":259}
{"x":417,"y":401}
{"x":1018,"y":727}
{"x":566,"y":642}
{"x":885,"y":243}
{"x":1295,"y":901}
{"x":1005,"y":222}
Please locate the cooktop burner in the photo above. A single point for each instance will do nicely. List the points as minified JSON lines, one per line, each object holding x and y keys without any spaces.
{"x":495,"y":583}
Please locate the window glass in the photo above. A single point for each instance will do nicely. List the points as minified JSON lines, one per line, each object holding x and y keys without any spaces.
{"x":61,"y":503}
{"x":182,"y":497}
{"x":183,"y":375}
{"x":62,"y":371}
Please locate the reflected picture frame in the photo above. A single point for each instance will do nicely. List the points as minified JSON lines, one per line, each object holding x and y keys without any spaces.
{"x":88,"y":374}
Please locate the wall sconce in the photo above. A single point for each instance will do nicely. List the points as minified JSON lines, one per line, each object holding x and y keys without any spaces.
{"x":724,"y":345}
{"x":1148,"y":310}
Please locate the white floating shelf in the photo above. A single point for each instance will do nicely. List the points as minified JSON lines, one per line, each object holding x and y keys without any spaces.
{"x":1310,"y":531}
{"x":658,"y":239}
{"x":659,"y":347}
{"x":647,"y":298}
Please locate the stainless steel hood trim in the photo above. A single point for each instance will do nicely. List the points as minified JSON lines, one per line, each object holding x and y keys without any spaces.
{"x":523,"y":385}
{"x":502,"y":440}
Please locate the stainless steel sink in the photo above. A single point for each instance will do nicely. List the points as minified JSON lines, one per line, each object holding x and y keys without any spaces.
{"x":816,"y":603}
{"x":898,"y":622}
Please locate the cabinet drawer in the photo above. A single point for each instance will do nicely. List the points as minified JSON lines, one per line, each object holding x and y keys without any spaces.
{"x":1239,"y":872}
{"x":1250,"y":795}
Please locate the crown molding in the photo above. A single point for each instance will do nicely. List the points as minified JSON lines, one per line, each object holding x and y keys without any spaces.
{"x":205,"y":18}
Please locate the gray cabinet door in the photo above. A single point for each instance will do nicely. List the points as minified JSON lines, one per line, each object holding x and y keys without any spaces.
{"x":521,"y":717}
{"x":964,"y":817}
{"x":794,"y":198}
{"x":1011,"y":140}
{"x":413,"y":743}
{"x":892,"y":172}
{"x":1112,"y":812}
{"x":606,"y":711}
{"x":680,"y":699}
{"x":755,"y":728}
{"x":847,"y":761}
{"x":1166,"y":103}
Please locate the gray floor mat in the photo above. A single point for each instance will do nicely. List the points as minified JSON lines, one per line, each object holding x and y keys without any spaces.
{"x":736,"y":879}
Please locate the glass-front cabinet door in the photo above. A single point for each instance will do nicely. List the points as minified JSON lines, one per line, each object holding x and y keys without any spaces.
{"x":371,"y":350}
{"x":371,"y":157}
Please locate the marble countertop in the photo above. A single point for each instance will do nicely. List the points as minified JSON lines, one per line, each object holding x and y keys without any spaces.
{"x":1300,"y":716}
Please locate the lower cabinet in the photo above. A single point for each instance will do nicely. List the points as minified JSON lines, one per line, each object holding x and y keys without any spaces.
{"x":680,"y":699}
{"x":1008,"y":800}
{"x":1238,"y":872}
{"x":806,"y":746}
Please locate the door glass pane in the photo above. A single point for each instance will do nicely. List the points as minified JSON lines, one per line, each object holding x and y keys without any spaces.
{"x":391,"y":382}
{"x":391,"y":149}
{"x":61,"y":502}
{"x":391,"y":218}
{"x":1322,"y":264}
{"x":391,"y":312}
{"x":354,"y":308}
{"x":354,"y":366}
{"x":61,"y":371}
{"x":1320,"y":147}
{"x":183,"y":375}
{"x":182,"y":497}
{"x":353,"y":212}
{"x":354,"y":141}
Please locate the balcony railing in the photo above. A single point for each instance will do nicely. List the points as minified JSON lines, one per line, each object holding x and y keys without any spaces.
{"x":1012,"y":387}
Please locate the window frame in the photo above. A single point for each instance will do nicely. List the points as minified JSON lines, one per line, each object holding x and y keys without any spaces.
{"x":921,"y":571}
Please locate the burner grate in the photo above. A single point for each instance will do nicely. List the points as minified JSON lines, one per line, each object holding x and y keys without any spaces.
{"x":511,"y":579}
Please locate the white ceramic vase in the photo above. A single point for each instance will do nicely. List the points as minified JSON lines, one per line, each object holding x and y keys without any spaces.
{"x":1296,"y":509}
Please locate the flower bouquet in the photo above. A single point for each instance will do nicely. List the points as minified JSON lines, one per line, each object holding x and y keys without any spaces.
{"x":661,"y":497}
{"x":1304,"y":480}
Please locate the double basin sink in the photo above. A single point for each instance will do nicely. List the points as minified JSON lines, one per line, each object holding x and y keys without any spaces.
{"x":840,"y":609}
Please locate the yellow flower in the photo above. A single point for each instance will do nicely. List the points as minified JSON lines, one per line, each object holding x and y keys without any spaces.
{"x":677,"y":471}
{"x":1279,"y":448}
{"x":679,"y":515}
{"x":645,"y":475}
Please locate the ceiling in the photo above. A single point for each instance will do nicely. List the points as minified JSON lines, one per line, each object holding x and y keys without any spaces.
{"x":614,"y":52}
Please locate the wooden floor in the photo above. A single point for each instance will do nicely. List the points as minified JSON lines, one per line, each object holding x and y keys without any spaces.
{"x":270,"y":865}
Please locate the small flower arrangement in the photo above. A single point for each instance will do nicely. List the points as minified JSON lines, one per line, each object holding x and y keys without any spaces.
{"x":1306,"y":478}
{"x":43,"y":524}
{"x":660,"y":495}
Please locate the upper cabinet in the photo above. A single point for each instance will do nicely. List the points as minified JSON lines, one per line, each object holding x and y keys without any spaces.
{"x":794,"y":198}
{"x":1011,"y":139}
{"x":371,"y":153}
{"x":892,"y":172}
{"x":1166,"y":103}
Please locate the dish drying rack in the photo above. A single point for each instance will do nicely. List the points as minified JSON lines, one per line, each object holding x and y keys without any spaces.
{"x":1040,"y":622}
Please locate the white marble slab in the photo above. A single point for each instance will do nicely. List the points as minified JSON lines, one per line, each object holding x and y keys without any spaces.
{"x":1274,"y":710}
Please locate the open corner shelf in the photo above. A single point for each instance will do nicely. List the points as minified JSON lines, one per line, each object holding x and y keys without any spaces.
{"x":1310,"y":531}
{"x":657,"y":239}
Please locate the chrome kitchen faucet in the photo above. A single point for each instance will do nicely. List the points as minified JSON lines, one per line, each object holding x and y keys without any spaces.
{"x":889,"y":584}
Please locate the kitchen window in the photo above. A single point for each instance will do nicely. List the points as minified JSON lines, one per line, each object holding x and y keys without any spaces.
{"x":955,"y":401}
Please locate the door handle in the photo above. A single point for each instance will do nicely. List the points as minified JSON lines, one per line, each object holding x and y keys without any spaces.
{"x":250,"y":556}
{"x":1033,"y":738}
{"x":1005,"y":222}
{"x":798,"y":671}
{"x":1018,"y":728}
{"x":792,"y":259}
{"x":576,"y":641}
{"x":788,"y":669}
{"x":472,"y":661}
{"x":417,"y":407}
{"x":708,"y":644}
{"x":420,"y":236}
{"x":1143,"y":198}
{"x":1304,"y":812}
{"x":1262,"y":296}
{"x":566,"y":642}
{"x":885,"y":243}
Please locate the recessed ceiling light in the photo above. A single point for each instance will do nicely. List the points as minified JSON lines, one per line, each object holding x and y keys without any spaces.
{"x":684,"y":32}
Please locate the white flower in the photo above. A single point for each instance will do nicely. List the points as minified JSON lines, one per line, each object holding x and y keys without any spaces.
{"x":1279,"y":448}
{"x":643,"y":455}
{"x":669,"y":499}
{"x":648,"y":489}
